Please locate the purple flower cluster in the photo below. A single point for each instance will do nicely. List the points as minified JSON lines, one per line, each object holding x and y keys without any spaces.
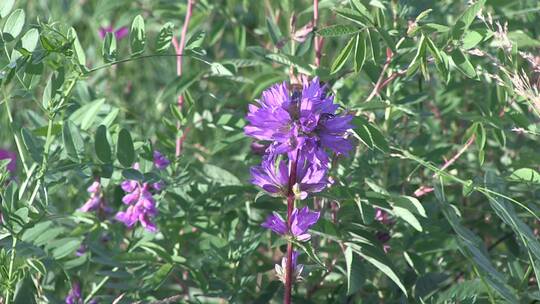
{"x":96,"y":202}
{"x":301,"y":221}
{"x":142,"y":206}
{"x":74,"y":296}
{"x":304,"y":121}
{"x":139,"y":198}
{"x":298,"y":128}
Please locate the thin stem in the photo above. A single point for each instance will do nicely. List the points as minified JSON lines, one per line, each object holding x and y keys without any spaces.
{"x":127,"y":60}
{"x":317,"y":40}
{"x":180,"y":52}
{"x":15,"y":134}
{"x":11,"y":262}
{"x":378,"y":85}
{"x":290,"y":206}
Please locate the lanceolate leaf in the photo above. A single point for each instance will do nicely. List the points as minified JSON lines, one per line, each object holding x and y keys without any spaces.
{"x":340,"y":60}
{"x":337,"y":30}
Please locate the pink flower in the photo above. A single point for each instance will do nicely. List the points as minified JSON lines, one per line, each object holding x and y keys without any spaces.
{"x":119,"y":33}
{"x":12,"y":156}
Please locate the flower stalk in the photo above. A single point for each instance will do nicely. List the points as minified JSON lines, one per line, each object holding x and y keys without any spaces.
{"x":291,"y":198}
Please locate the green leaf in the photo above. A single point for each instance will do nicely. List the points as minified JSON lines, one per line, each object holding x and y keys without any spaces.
{"x":473,"y":249}
{"x":14,"y":25}
{"x":124,"y":149}
{"x":164,"y":38}
{"x":101,"y":145}
{"x":377,"y":258}
{"x":362,"y":9}
{"x":156,"y":279}
{"x":465,"y":20}
{"x":463,"y":64}
{"x":360,"y":51}
{"x":275,"y":33}
{"x":30,"y":39}
{"x":220,"y":175}
{"x":337,"y":30}
{"x":369,"y":134}
{"x":69,"y":245}
{"x":355,"y":271}
{"x":353,"y":16}
{"x":407,"y":216}
{"x":32,"y":145}
{"x":137,"y":36}
{"x":526,"y":175}
{"x":341,"y":58}
{"x":77,"y":48}
{"x":471,"y":39}
{"x":5,"y":7}
{"x":87,"y":114}
{"x":73,"y":142}
{"x":108,"y":50}
{"x":419,"y":58}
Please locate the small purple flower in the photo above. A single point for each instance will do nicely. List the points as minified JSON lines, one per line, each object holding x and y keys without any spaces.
{"x":96,"y":200}
{"x":142,"y":206}
{"x":296,"y":268}
{"x":382,"y":216}
{"x":119,"y":33}
{"x":160,"y":161}
{"x":384,"y":237}
{"x":301,"y":221}
{"x":273,"y":177}
{"x":74,"y":296}
{"x":275,"y":223}
{"x":12,"y":156}
{"x":82,"y":250}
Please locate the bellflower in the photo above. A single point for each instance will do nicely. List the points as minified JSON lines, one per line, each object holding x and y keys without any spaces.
{"x":303,"y":120}
{"x":74,"y":296}
{"x":12,"y":156}
{"x":296,"y":268}
{"x":273,"y":177}
{"x":119,"y":33}
{"x":142,"y":206}
{"x":160,"y":161}
{"x":301,"y":221}
{"x":96,"y":200}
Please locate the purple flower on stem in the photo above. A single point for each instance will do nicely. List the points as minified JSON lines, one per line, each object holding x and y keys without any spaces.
{"x":12,"y":156}
{"x":273,"y":177}
{"x":74,"y":296}
{"x":82,"y":250}
{"x":382,"y":216}
{"x":296,"y":268}
{"x":142,"y":206}
{"x":119,"y":33}
{"x":305,"y":121}
{"x":301,"y":221}
{"x":160,"y":161}
{"x":96,"y":200}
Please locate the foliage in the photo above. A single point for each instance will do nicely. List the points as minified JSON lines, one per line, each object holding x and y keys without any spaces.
{"x":437,"y":204}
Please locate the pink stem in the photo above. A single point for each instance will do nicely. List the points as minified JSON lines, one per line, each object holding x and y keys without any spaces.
{"x":179,"y":48}
{"x":422,"y":190}
{"x":317,"y":40}
{"x":290,"y":206}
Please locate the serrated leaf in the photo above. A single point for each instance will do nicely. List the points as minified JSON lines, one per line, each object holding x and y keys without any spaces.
{"x":125,"y":151}
{"x":137,"y":36}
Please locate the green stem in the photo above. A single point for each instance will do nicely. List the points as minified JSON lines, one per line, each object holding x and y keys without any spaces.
{"x":15,"y":134}
{"x":10,"y":272}
{"x":127,"y":60}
